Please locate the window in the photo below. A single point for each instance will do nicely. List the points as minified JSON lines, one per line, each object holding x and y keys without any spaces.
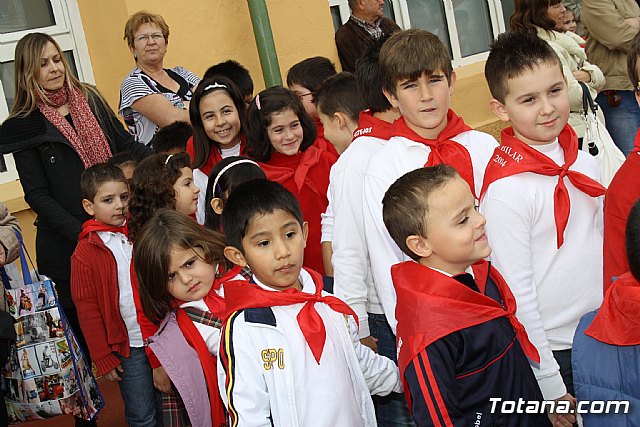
{"x":58,"y":18}
{"x":466,"y":27}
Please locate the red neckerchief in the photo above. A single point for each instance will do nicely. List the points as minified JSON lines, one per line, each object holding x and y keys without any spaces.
{"x":443,"y":148}
{"x":368,"y":125}
{"x":208,"y":363}
{"x":514,"y":156}
{"x":240,"y":295}
{"x":618,"y":320}
{"x":215,"y":156}
{"x":431,"y":305}
{"x":92,"y":226}
{"x":281,"y":167}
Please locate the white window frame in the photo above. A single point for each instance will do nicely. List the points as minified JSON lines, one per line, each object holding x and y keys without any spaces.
{"x":403,"y":19}
{"x":69,"y":33}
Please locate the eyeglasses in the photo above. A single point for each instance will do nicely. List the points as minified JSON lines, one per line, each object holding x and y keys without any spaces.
{"x":144,"y":38}
{"x":302,"y":95}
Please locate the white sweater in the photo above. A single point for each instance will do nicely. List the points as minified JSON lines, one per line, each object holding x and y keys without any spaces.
{"x":553,"y":287}
{"x":397,"y":157}
{"x":353,"y":280}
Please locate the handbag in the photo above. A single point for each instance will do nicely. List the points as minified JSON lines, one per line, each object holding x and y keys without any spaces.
{"x":47,"y":373}
{"x":597,"y":140}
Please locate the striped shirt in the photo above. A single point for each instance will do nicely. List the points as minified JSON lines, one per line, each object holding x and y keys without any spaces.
{"x":137,"y":85}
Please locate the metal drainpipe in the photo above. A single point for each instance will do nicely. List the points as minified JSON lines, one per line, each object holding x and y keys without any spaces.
{"x":264,"y":41}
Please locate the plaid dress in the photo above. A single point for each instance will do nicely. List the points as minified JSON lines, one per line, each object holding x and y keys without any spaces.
{"x":174,"y":413}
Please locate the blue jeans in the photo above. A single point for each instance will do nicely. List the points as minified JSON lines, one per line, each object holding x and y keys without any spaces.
{"x":391,"y":410}
{"x":623,"y":121}
{"x":138,"y":392}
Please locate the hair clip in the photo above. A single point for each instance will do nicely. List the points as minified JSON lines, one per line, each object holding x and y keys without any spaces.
{"x":166,"y":161}
{"x":258,"y":101}
{"x":215,"y":85}
{"x":226,"y":168}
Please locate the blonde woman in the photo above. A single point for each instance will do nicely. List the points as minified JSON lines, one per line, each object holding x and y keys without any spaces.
{"x":57,"y":127}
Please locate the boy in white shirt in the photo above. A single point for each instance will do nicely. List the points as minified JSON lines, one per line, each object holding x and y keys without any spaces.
{"x":289,"y":353}
{"x":101,"y":290}
{"x":541,"y":200}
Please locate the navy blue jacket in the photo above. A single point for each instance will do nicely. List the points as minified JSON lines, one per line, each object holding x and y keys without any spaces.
{"x":455,"y":376}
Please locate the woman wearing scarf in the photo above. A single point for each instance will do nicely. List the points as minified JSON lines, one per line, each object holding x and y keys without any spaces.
{"x":58,"y":126}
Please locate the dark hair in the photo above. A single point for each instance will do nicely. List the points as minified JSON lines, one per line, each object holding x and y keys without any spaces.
{"x":632,"y":239}
{"x":202,"y":144}
{"x":311,"y":72}
{"x":411,"y":53}
{"x":152,"y":187}
{"x":171,"y":137}
{"x":632,"y":61}
{"x":405,"y":204}
{"x":234,"y":71}
{"x":152,"y":256}
{"x":529,"y":14}
{"x":227,"y":182}
{"x":273,"y":101}
{"x":94,"y":176}
{"x":369,"y":79}
{"x":340,"y":93}
{"x":512,"y":54}
{"x":122,"y":159}
{"x":254,"y":198}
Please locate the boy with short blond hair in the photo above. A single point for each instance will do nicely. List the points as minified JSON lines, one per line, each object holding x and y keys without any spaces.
{"x":459,"y":342}
{"x":101,"y":289}
{"x":541,"y":198}
{"x":290,"y":354}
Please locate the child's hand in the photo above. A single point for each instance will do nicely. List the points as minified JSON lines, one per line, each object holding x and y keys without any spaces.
{"x":112,"y":375}
{"x":370,"y":342}
{"x":564,"y":420}
{"x":161,"y":380}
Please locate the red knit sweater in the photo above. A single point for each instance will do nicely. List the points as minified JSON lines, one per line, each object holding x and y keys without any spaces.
{"x":95,"y":292}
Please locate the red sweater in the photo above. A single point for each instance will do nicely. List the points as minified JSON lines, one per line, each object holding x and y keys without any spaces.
{"x":323,"y":143}
{"x":95,"y":292}
{"x":306,"y":175}
{"x":623,"y":192}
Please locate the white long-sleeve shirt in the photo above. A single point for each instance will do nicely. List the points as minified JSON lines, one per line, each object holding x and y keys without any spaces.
{"x":553,"y":287}
{"x":399,"y":156}
{"x":353,"y":279}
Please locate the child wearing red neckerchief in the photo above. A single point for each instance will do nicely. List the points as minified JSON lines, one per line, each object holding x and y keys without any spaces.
{"x":606,"y":347}
{"x":543,"y":205}
{"x":290,"y":354}
{"x":417,"y":79}
{"x":181,"y":271}
{"x":102,"y":291}
{"x":459,"y":341}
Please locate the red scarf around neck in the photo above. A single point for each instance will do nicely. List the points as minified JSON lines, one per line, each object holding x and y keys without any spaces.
{"x":92,"y":226}
{"x":215,"y":155}
{"x":240,"y":295}
{"x":444,"y":150}
{"x":368,"y":125}
{"x":432,"y":305}
{"x":618,"y":320}
{"x":514,"y":156}
{"x":87,"y":138}
{"x":280,"y":173}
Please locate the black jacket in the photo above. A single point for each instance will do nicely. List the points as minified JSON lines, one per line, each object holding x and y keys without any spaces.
{"x":49,"y":170}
